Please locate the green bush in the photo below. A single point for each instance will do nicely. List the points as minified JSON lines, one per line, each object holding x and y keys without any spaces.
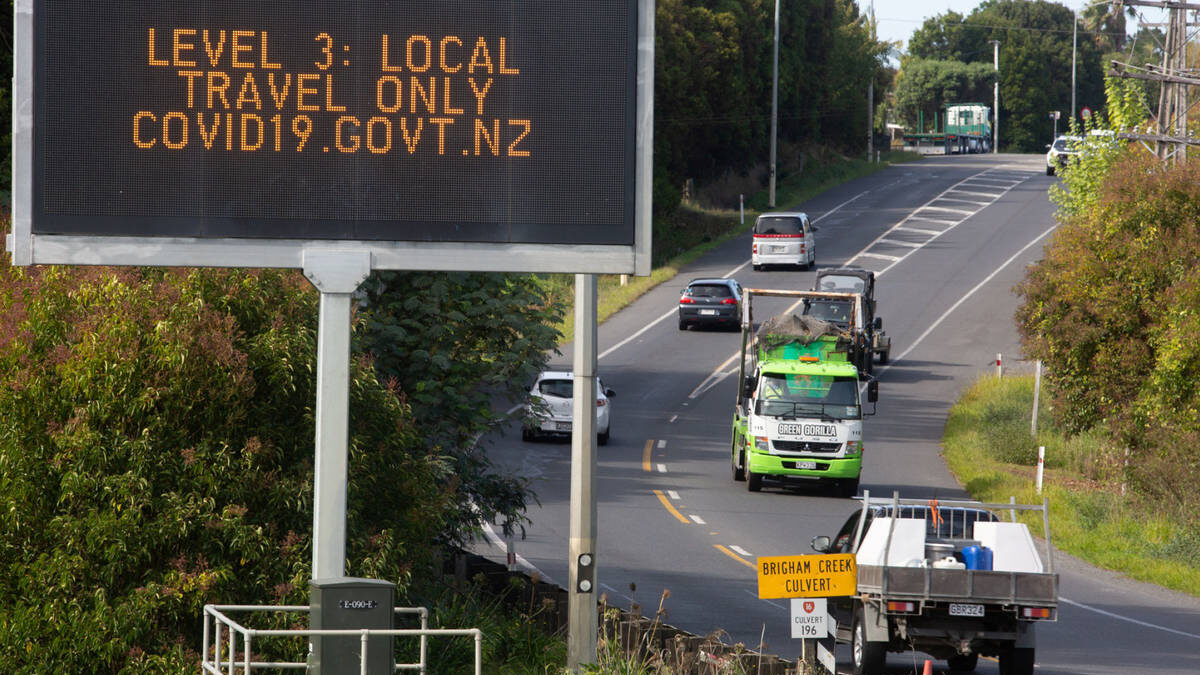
{"x":156,"y":452}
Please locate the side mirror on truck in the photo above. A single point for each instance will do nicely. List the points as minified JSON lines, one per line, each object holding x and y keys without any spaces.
{"x":748,"y":387}
{"x":820,"y":544}
{"x":872,"y":391}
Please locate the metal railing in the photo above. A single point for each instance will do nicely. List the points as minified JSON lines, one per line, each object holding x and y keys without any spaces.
{"x":221,"y":640}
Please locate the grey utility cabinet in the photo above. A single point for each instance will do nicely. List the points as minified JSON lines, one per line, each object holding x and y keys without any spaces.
{"x":351,"y":603}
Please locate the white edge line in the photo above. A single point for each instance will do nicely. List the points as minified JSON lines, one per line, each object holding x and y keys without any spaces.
{"x":629,"y":339}
{"x":662,"y":468}
{"x":499,"y":543}
{"x":673,"y":495}
{"x":662,"y":444}
{"x":1125,"y":618}
{"x":831,"y":211}
{"x":963,"y":299}
{"x":673,"y":418}
{"x":740,"y":551}
{"x":697,"y":519}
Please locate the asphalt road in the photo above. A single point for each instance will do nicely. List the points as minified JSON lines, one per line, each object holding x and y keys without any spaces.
{"x":949,"y":237}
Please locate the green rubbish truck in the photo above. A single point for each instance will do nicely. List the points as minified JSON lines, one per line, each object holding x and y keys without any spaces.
{"x":799,"y":414}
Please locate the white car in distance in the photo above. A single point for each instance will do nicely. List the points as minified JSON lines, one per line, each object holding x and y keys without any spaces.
{"x":549,"y":411}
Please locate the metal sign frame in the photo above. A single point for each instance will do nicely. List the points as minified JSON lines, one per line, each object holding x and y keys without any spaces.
{"x":29,"y":249}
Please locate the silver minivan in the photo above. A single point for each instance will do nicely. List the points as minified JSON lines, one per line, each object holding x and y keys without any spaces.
{"x":783,"y":238}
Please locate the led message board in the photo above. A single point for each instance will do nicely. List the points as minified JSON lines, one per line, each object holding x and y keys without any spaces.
{"x":509,"y":122}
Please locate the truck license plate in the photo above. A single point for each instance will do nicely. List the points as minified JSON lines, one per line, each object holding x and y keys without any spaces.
{"x":959,"y":609}
{"x":806,"y":465}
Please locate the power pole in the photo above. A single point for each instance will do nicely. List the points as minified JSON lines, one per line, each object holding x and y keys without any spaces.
{"x":1074,"y":46}
{"x":1171,"y":139}
{"x":774,"y":110}
{"x":996,"y":97}
{"x":871,"y":97}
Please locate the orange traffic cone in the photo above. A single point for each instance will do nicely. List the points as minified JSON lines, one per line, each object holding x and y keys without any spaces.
{"x":928,"y":668}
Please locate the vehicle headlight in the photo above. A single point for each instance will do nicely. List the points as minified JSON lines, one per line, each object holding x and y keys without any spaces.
{"x":854,"y":448}
{"x":762,"y":444}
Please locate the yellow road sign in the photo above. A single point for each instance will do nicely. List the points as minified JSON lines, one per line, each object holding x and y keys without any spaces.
{"x":806,"y":576}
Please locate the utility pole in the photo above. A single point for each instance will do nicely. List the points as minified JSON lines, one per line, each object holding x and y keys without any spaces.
{"x":871,"y":96}
{"x":1171,"y":139}
{"x":774,"y":110}
{"x":996,"y":97}
{"x":1074,"y":44}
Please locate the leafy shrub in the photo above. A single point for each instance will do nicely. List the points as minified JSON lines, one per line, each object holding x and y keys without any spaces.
{"x":156,"y":450}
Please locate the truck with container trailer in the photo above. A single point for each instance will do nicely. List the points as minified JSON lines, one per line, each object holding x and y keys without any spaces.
{"x":954,"y":579}
{"x":798,"y":413}
{"x":964,"y":128}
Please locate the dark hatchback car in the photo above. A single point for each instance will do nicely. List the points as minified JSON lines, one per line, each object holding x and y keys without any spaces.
{"x":711,"y":302}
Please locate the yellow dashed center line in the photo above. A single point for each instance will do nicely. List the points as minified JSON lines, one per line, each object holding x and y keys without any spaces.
{"x":733,"y":555}
{"x":646,"y":456}
{"x":669,"y":507}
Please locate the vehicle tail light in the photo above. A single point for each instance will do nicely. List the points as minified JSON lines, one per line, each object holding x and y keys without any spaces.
{"x":600,"y":403}
{"x":754,"y":249}
{"x":685,"y":300}
{"x":898,"y":607}
{"x":1037,"y":613}
{"x":802,"y":247}
{"x":729,"y":301}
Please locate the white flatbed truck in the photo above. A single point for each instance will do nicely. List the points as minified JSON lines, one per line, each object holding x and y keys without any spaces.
{"x":915,"y":592}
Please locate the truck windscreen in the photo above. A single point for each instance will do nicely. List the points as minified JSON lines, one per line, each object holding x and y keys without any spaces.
{"x":808,"y":395}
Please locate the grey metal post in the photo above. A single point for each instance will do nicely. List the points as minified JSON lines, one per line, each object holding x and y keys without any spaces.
{"x":336,"y":274}
{"x":774,"y":109}
{"x":996,"y":97}
{"x":1037,"y":390}
{"x":871,"y":98}
{"x":1074,"y":45}
{"x":582,"y":622}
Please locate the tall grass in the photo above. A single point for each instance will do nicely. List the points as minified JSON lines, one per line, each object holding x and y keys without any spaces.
{"x":1094,"y":514}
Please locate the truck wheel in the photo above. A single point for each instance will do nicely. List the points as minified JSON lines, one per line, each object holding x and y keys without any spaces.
{"x":885,"y":355}
{"x":1049,"y":170}
{"x":868,"y":657}
{"x":1016,"y":661}
{"x":739,"y":473}
{"x":527,"y":434}
{"x":848,"y":487}
{"x":753,"y":480}
{"x":602,"y":439}
{"x":757,"y":268}
{"x":963,"y":663}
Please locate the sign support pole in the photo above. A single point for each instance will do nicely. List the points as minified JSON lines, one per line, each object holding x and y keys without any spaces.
{"x":336,"y":274}
{"x":582,"y":623}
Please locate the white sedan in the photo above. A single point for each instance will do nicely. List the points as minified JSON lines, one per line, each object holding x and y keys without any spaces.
{"x":549,"y":411}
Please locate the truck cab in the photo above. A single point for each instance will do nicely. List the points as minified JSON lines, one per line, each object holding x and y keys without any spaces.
{"x":869,"y":338}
